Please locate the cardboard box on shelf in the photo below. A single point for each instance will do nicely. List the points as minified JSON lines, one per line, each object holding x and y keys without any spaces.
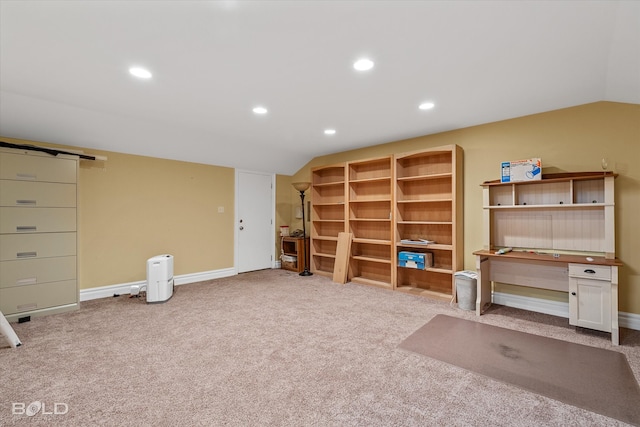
{"x":521,"y":170}
{"x":416,"y":260}
{"x":289,"y":261}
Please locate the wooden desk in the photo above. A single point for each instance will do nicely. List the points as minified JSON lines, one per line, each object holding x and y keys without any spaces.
{"x":592,"y":285}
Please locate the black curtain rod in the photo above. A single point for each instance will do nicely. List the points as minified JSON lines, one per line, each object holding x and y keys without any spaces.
{"x":51,"y":151}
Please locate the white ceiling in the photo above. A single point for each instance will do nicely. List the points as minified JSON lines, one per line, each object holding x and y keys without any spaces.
{"x":64,"y":72}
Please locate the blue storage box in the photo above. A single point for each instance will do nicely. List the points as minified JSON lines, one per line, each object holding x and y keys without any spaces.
{"x":415,"y":260}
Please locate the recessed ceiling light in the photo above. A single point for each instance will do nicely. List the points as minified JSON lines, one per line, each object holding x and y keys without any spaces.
{"x":329,"y":131}
{"x":260,"y":110}
{"x":140,"y":72}
{"x":426,"y":106}
{"x":363,"y":64}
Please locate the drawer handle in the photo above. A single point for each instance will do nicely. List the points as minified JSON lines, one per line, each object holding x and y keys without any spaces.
{"x":27,"y":281}
{"x":27,"y":254}
{"x":26,"y":228}
{"x":26,"y":202}
{"x":30,"y":176}
{"x":590,"y":271}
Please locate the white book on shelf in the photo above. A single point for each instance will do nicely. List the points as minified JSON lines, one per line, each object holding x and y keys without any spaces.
{"x":417,"y":241}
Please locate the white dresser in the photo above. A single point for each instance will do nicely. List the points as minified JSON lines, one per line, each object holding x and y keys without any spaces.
{"x":38,"y":233}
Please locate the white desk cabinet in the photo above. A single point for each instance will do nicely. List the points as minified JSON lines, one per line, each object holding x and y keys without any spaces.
{"x":38,"y":233}
{"x":592,"y":289}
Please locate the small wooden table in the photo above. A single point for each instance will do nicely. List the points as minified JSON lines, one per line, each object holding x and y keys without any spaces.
{"x":293,"y":246}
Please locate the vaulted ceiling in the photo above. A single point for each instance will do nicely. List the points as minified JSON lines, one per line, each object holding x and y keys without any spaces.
{"x":64,"y":72}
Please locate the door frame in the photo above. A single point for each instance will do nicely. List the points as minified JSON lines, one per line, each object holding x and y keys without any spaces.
{"x":236,"y":218}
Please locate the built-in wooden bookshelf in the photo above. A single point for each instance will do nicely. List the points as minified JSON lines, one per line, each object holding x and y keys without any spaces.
{"x":383,"y":201}
{"x":370,"y":219}
{"x":428,"y":206}
{"x":328,"y":215}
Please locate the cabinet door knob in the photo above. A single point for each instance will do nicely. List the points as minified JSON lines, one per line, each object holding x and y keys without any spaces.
{"x":573,"y":293}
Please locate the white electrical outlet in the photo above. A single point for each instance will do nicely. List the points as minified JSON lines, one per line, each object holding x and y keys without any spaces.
{"x":220,"y":209}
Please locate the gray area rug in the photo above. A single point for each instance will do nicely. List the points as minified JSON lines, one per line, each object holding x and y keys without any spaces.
{"x":591,"y":378}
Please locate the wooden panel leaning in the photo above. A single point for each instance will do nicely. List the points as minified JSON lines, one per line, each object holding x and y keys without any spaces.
{"x":341,"y":265}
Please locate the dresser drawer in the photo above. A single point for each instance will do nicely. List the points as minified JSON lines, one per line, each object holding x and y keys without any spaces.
{"x":35,"y":297}
{"x":35,"y":271}
{"x":37,"y":220}
{"x":37,"y":167}
{"x":589,"y":271}
{"x":37,"y":194}
{"x":45,"y":245}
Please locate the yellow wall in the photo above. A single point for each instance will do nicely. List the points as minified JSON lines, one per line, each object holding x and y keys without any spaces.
{"x":568,"y":140}
{"x":132,"y":208}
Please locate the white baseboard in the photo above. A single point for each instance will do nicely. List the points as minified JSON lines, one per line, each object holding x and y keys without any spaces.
{"x":125,"y":288}
{"x":539,"y":305}
{"x":629,"y":320}
{"x":204,"y":276}
{"x":556,"y":308}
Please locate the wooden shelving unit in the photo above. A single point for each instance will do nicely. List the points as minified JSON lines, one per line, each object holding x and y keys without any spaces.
{"x":328,"y":216}
{"x":370,"y":219}
{"x":294,"y":247}
{"x":382,"y":201}
{"x":428,"y":205}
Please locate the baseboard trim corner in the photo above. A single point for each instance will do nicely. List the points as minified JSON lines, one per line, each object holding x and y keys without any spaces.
{"x":629,"y":320}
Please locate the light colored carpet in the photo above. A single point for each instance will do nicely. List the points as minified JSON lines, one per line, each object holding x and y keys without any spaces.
{"x":595,"y":379}
{"x":271,"y":348}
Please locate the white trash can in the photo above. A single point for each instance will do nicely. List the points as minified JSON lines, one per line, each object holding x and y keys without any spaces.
{"x":160,"y":278}
{"x":466,"y":289}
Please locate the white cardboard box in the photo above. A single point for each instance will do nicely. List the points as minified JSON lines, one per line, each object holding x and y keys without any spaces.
{"x":521,"y":170}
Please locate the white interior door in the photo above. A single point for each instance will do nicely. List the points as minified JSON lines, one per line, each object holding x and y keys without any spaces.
{"x":255,"y":231}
